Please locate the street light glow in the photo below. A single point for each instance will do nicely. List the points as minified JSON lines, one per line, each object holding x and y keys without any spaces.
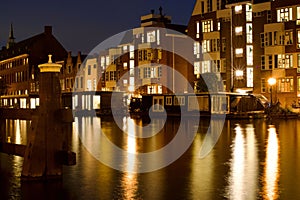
{"x":272,"y":81}
{"x":239,"y":73}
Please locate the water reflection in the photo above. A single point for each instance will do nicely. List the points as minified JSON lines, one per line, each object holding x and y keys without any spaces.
{"x":251,"y":160}
{"x":16,"y":131}
{"x":271,"y":168}
{"x":243,"y":175}
{"x":129,"y":181}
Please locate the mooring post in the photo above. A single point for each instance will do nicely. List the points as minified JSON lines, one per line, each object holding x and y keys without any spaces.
{"x":43,"y":155}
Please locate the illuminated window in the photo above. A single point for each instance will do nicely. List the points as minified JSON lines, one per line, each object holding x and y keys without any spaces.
{"x":107,"y":60}
{"x":219,"y":26}
{"x":284,"y":14}
{"x":147,"y":72}
{"x":249,"y":77}
{"x":125,"y":48}
{"x":206,"y":66}
{"x":197,"y":69}
{"x":298,"y":39}
{"x":298,"y":15}
{"x":131,"y":53}
{"x":239,"y":52}
{"x":238,"y":30}
{"x":249,"y":38}
{"x":131,"y":67}
{"x":207,"y":26}
{"x":102,"y":62}
{"x":249,"y":54}
{"x":158,"y":37}
{"x":125,"y":65}
{"x":286,"y":84}
{"x":197,"y":29}
{"x":151,"y":36}
{"x":197,"y":49}
{"x":239,"y":74}
{"x":288,"y":61}
{"x":206,"y":46}
{"x":238,"y":9}
{"x":248,"y":13}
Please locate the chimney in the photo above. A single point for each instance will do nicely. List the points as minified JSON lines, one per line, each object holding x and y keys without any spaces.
{"x":48,"y":30}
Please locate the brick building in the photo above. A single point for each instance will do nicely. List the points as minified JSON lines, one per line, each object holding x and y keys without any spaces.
{"x":249,"y":42}
{"x":19,"y":67}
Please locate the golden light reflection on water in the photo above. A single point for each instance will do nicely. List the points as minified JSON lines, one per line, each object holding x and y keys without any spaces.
{"x":271,"y":169}
{"x":16,"y":131}
{"x":129,"y":181}
{"x":243,"y":175}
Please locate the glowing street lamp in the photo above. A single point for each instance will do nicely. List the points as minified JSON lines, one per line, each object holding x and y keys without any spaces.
{"x":239,"y":74}
{"x":271,"y":82}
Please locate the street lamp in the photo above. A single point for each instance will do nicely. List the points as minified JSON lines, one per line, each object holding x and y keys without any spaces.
{"x":271,"y":82}
{"x":173,"y":35}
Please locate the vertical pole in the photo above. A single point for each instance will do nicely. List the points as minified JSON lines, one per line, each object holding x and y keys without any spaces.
{"x":271,"y":91}
{"x":173,"y":49}
{"x":45,"y":139}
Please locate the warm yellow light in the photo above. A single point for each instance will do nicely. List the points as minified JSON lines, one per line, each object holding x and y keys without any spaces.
{"x":239,"y":73}
{"x":238,"y":9}
{"x":131,"y":88}
{"x":238,"y":30}
{"x":272,"y":81}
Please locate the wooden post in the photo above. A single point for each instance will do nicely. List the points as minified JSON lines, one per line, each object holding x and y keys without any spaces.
{"x":42,"y":159}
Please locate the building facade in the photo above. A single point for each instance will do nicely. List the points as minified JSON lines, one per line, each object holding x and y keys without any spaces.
{"x":249,"y":42}
{"x":136,"y":65}
{"x":19,"y":67}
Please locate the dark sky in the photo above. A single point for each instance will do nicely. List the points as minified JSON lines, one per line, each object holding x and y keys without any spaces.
{"x":80,"y":25}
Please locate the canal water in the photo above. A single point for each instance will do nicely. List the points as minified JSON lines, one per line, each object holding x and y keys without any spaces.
{"x":253,"y":159}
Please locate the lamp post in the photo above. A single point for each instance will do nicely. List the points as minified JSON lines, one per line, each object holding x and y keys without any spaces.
{"x":271,"y":82}
{"x":173,"y":35}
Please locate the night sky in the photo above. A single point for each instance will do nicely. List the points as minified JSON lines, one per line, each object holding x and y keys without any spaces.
{"x":80,"y":25}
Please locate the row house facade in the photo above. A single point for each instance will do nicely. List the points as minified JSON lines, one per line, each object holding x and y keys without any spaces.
{"x":249,"y":42}
{"x":19,"y":70}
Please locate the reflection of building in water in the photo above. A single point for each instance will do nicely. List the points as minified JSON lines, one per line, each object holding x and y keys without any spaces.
{"x":243,"y":175}
{"x":16,"y":131}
